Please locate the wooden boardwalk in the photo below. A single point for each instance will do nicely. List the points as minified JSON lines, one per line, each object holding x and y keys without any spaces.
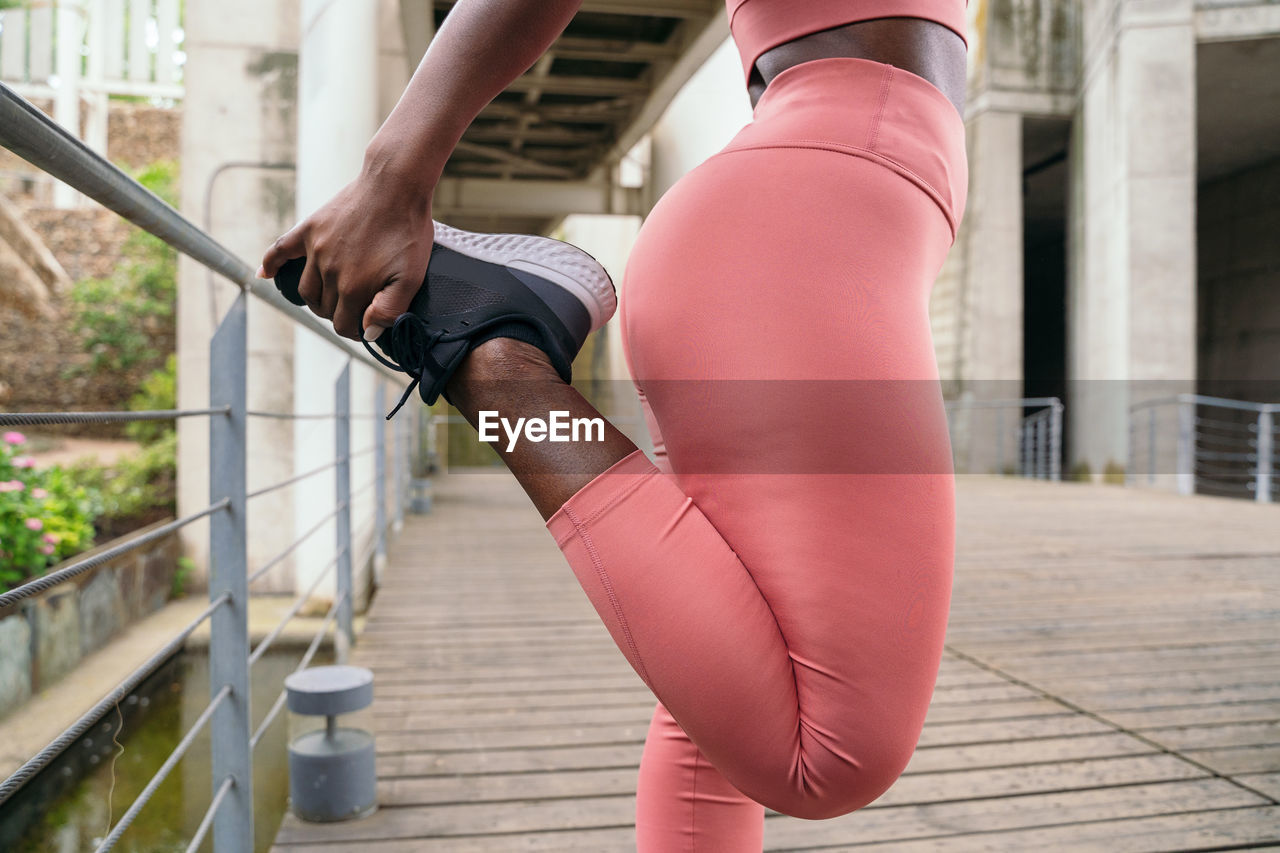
{"x":1112,"y":682}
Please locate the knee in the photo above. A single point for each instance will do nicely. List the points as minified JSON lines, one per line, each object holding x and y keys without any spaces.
{"x":825,"y":796}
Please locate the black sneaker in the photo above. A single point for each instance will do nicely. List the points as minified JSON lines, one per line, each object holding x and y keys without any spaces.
{"x":481,"y":286}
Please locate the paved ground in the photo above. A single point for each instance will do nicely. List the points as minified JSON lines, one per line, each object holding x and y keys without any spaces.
{"x":1110,"y":684}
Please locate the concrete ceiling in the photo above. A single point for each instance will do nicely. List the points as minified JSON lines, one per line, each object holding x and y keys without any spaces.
{"x":546,"y":146}
{"x":1237,"y":105}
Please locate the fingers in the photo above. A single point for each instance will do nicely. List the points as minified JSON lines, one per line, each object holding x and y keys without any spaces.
{"x":310,"y":285}
{"x":388,"y":304}
{"x":290,"y":245}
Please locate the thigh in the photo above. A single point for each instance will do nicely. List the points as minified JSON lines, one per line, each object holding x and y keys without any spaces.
{"x":776,"y":319}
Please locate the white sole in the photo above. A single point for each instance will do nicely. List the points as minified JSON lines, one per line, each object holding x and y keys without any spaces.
{"x":557,"y":261}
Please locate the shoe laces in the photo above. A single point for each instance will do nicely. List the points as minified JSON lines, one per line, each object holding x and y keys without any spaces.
{"x":410,"y":346}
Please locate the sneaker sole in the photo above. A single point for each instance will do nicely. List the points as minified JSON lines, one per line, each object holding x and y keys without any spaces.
{"x":554,"y":260}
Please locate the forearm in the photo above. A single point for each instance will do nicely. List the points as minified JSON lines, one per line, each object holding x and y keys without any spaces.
{"x":480,"y":49}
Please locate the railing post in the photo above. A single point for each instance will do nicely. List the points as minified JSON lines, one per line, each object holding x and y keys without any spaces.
{"x":1151,"y":447}
{"x":1024,"y":451}
{"x":380,"y":478}
{"x":1000,"y":441}
{"x":1266,"y":456}
{"x":345,"y":636}
{"x":398,"y":459}
{"x":228,"y":573}
{"x":1055,"y":442}
{"x":1186,"y":447}
{"x":1042,"y":448}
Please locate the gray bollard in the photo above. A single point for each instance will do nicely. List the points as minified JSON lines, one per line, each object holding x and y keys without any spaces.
{"x":420,"y":495}
{"x":332,"y":773}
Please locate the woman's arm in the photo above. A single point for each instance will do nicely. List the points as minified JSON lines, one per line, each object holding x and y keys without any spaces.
{"x":367,"y":248}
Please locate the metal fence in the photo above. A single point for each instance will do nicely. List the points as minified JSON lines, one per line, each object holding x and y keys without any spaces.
{"x":30,"y":134}
{"x":1210,"y":445}
{"x":1000,"y":437}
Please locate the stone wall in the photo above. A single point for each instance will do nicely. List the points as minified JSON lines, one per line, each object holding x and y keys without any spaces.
{"x":38,"y":356}
{"x":44,"y":638}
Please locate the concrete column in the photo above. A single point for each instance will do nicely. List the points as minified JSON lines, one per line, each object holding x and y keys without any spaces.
{"x":66,"y":101}
{"x":991,"y":342}
{"x":242,"y":72}
{"x":1132,"y":279}
{"x":337,"y":115}
{"x":977,"y":300}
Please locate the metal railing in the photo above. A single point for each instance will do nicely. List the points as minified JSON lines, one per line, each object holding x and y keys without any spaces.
{"x":28,"y":133}
{"x":1026,"y":445}
{"x":1211,"y":445}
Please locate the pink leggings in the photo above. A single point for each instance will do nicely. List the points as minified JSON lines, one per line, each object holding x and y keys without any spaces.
{"x":781,"y":580}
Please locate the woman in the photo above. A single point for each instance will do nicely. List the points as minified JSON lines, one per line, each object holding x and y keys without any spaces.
{"x":781,"y":578}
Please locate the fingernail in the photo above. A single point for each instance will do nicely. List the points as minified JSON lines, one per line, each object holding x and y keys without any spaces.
{"x":262,"y":273}
{"x":373,"y":333}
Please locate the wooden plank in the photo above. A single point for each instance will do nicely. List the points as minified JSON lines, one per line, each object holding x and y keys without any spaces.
{"x":1038,"y":751}
{"x":1237,"y":712}
{"x":13,"y":46}
{"x":508,"y":720}
{"x":394,"y":766}
{"x":1189,"y":831}
{"x":139,"y":51}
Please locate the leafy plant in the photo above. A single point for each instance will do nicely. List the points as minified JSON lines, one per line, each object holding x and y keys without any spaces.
{"x":158,"y":391}
{"x":186,"y":566}
{"x":126,"y":315}
{"x":134,"y":490}
{"x":45,"y":515}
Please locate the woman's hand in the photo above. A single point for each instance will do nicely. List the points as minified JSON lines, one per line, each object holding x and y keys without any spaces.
{"x":367,"y":251}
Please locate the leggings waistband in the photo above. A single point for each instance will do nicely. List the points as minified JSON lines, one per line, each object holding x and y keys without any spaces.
{"x":867,"y":109}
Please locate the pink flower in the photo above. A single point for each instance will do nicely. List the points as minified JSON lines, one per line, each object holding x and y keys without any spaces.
{"x":12,"y":486}
{"x":15,"y":438}
{"x":47,"y":549}
{"x":39,"y":494}
{"x":23,"y":462}
{"x":34,"y":524}
{"x":50,"y":539}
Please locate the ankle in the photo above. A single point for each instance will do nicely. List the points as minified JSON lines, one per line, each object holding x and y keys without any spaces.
{"x":500,"y":361}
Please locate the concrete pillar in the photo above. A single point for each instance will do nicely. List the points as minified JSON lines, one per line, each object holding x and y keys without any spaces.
{"x":242,"y":72}
{"x":338,"y":112}
{"x":1131,"y":325}
{"x":66,"y":100}
{"x":976,"y":304}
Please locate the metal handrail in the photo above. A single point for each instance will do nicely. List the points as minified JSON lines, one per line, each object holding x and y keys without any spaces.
{"x":1193,"y":463}
{"x":54,"y":418}
{"x":41,"y":141}
{"x":88,"y":719}
{"x":307,"y":657}
{"x":79,"y":567}
{"x":160,"y":775}
{"x":35,"y":137}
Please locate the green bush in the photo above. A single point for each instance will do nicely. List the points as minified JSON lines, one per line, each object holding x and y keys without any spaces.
{"x":124,"y":317}
{"x":133,"y":491}
{"x":45,"y":515}
{"x":158,"y":391}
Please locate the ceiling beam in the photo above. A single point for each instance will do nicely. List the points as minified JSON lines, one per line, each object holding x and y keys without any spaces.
{"x":578,"y":85}
{"x":655,"y":8}
{"x":612,"y":50}
{"x":537,"y":198}
{"x":696,"y":41}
